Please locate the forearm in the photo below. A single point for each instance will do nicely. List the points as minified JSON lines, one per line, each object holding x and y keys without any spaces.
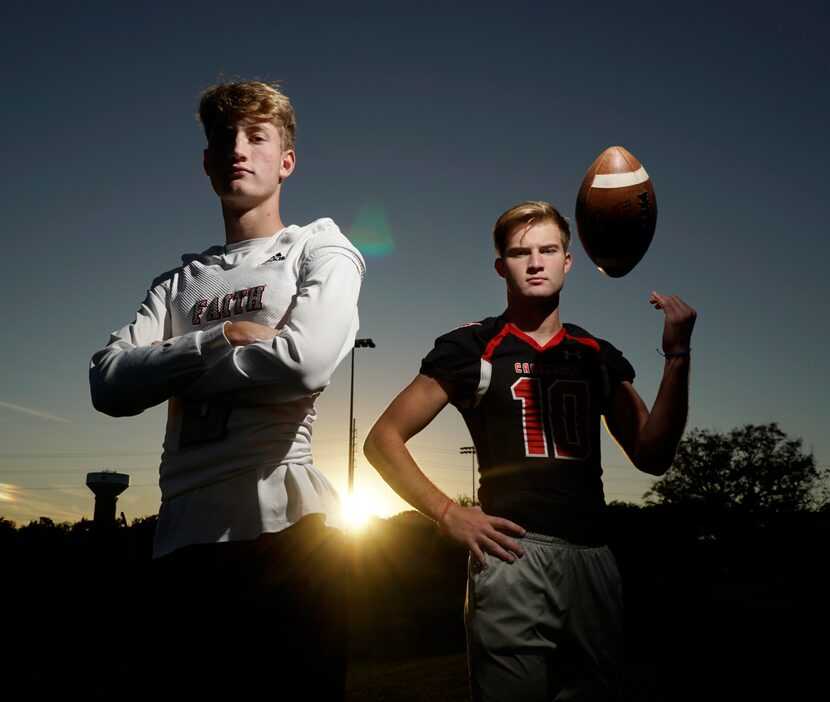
{"x":126,"y":378}
{"x":287,"y":368}
{"x":144,"y":364}
{"x":660,"y":435}
{"x":386,"y":451}
{"x":317,"y":333}
{"x":415,"y":407}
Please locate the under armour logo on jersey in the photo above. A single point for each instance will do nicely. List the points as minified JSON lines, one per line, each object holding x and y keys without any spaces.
{"x":572,"y":354}
{"x":276,"y":257}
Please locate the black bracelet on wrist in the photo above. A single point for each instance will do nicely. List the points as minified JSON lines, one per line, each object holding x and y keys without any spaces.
{"x":674,"y":354}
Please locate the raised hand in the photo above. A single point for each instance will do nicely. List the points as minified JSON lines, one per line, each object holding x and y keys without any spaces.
{"x":680,"y":320}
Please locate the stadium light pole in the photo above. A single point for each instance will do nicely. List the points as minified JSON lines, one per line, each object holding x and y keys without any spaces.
{"x":358,"y":344}
{"x":471,"y":450}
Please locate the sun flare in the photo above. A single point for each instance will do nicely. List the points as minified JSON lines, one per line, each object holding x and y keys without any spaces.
{"x":8,"y":492}
{"x":356,"y":512}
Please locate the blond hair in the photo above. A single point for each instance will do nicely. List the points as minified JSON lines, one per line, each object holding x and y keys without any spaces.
{"x":530,"y":212}
{"x":248,"y":100}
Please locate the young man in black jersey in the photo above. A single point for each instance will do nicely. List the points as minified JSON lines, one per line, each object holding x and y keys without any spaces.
{"x":543,"y":599}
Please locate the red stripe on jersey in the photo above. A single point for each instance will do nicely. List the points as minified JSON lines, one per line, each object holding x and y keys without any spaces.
{"x":555,"y":340}
{"x":494,"y":342}
{"x":591,"y":343}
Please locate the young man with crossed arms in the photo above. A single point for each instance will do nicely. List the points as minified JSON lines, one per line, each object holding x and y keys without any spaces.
{"x":249,"y":568}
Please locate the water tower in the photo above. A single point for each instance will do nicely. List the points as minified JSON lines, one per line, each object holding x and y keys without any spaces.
{"x":107,"y":486}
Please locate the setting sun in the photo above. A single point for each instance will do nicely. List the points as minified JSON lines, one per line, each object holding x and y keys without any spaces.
{"x":357,"y":510}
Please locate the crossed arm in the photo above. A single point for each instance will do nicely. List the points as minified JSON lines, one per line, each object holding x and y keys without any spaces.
{"x":144,"y":365}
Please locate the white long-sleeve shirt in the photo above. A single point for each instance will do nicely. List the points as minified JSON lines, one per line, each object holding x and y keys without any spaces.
{"x":237,"y":459}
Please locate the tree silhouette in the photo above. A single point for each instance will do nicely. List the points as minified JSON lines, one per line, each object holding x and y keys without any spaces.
{"x":755,"y":469}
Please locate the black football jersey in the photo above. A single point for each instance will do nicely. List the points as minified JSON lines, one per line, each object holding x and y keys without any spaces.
{"x":534,"y":416}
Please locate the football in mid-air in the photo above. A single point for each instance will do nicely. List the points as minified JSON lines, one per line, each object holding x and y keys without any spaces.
{"x":616,"y":212}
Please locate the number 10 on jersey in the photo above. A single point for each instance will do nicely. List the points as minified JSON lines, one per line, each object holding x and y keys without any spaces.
{"x":566,"y":418}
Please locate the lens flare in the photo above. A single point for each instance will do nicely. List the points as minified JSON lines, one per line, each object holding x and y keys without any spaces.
{"x":8,"y":492}
{"x":370,"y":232}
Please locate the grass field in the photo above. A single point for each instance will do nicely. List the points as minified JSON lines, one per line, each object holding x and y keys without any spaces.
{"x":438,"y":679}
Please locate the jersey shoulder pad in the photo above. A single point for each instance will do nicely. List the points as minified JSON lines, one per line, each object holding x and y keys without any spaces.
{"x":166,"y":278}
{"x":457,"y":354}
{"x":473,"y":335}
{"x":611,"y":357}
{"x":324,"y":236}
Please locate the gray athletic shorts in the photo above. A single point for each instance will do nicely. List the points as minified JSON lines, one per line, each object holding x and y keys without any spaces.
{"x":548,"y":627}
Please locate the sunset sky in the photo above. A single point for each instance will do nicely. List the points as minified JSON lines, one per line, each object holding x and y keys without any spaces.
{"x":418,"y":124}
